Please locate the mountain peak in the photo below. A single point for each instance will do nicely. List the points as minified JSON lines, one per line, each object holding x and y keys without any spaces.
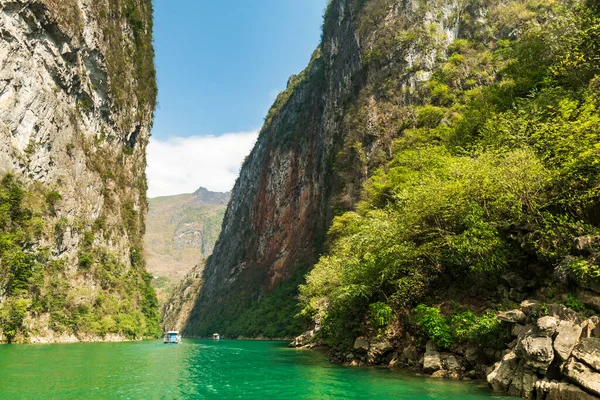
{"x":205,"y":196}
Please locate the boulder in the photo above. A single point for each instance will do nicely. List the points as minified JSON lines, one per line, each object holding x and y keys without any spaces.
{"x":589,"y":298}
{"x":454,"y":375}
{"x":588,"y":351}
{"x":512,"y":316}
{"x":473,"y":354}
{"x":439,"y":374}
{"x":472,"y":374}
{"x":361,"y":343}
{"x":380,"y":346}
{"x":564,"y":313}
{"x":588,"y":327}
{"x":303,"y":339}
{"x":523,"y":381}
{"x":410,"y":355}
{"x":516,"y":295}
{"x":518,"y":329}
{"x":536,"y":351}
{"x":432,"y":362}
{"x":430,"y":346}
{"x":583,"y":376}
{"x":591,"y":327}
{"x":546,"y":326}
{"x":527,"y":306}
{"x":546,"y":390}
{"x":452,"y":364}
{"x":515,"y":281}
{"x":502,"y":375}
{"x":567,"y":337}
{"x":584,"y":245}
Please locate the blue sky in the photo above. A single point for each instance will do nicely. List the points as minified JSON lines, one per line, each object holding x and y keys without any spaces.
{"x":220,"y":65}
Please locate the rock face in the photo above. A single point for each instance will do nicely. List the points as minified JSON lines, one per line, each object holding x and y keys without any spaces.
{"x":308,"y":162}
{"x":176,"y":310}
{"x":77,"y":96}
{"x":588,"y":351}
{"x":549,"y":352}
{"x":280,"y":208}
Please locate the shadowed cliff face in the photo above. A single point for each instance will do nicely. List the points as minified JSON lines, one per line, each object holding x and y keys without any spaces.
{"x":325,"y":135}
{"x":280,"y":207}
{"x":304,"y":167}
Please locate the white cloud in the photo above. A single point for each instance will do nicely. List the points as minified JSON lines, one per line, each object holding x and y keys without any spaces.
{"x":182,"y":164}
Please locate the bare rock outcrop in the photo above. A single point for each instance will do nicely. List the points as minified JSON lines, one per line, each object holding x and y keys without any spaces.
{"x":555,"y":357}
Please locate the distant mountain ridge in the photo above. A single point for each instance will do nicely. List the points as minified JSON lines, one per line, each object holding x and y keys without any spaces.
{"x":181,"y":231}
{"x":205,"y":196}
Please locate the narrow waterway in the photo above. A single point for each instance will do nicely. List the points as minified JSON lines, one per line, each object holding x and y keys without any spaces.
{"x":205,"y":369}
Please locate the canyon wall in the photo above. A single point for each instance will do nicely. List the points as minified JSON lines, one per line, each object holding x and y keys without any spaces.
{"x":77,"y":97}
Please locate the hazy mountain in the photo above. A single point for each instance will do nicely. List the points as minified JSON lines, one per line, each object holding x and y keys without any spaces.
{"x":181,"y":230}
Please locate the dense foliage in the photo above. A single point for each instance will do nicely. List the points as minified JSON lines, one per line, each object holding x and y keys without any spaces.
{"x":494,"y":166}
{"x":39,"y":291}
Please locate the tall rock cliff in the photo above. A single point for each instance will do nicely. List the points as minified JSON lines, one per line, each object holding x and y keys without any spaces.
{"x":307,"y":164}
{"x":77,"y":96}
{"x":390,"y":77}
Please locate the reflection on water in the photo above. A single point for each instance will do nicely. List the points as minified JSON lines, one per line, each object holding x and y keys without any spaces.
{"x":205,"y":369}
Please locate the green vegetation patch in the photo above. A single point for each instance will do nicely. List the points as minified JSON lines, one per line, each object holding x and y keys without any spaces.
{"x":492,"y":166}
{"x":35,"y":287}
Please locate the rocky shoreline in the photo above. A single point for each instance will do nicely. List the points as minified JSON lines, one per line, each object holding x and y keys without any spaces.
{"x":551,"y":357}
{"x":551,"y":347}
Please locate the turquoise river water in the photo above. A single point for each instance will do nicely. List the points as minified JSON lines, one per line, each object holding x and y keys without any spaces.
{"x":205,"y":369}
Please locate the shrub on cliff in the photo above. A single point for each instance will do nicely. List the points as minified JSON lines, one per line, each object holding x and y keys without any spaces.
{"x":505,"y":175}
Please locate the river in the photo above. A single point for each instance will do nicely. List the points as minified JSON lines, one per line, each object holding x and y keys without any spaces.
{"x":205,"y":369}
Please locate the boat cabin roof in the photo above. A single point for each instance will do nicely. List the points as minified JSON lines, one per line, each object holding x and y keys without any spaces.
{"x":173,"y":333}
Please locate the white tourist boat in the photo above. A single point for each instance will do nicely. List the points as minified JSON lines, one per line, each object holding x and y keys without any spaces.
{"x":172,"y":337}
{"x":216,"y":336}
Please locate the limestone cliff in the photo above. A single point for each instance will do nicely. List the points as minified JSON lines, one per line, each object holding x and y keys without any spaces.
{"x":332,"y":128}
{"x":77,"y":96}
{"x":307,"y":165}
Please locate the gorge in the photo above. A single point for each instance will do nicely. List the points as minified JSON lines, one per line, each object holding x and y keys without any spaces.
{"x":424,"y":195}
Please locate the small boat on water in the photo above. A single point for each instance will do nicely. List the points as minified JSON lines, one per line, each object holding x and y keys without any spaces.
{"x":216,"y":336}
{"x":172,"y":337}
